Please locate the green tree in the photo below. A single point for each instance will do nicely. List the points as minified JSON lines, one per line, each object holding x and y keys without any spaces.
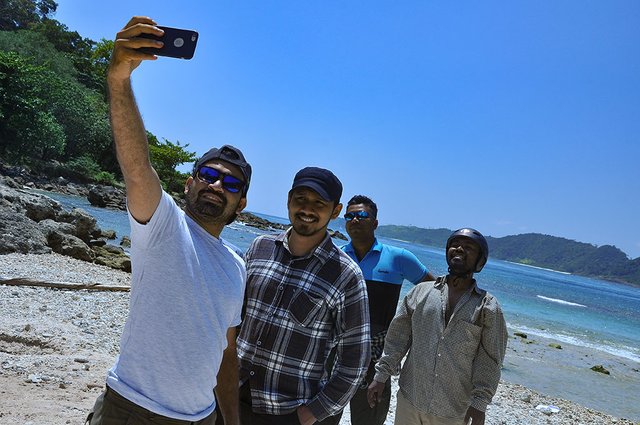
{"x":165,"y":157}
{"x":84,"y":116}
{"x":83,"y":168}
{"x":28,"y":128}
{"x":32,"y":96}
{"x":51,"y":43}
{"x":79,"y":50}
{"x":19,"y":14}
{"x":100,"y":57}
{"x":53,"y":98}
{"x":39,"y":50}
{"x":62,"y":38}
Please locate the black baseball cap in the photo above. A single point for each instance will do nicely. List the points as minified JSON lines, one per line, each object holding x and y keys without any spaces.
{"x":322,"y":181}
{"x":230,"y":154}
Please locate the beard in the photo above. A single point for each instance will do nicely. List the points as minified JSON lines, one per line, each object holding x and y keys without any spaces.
{"x":307,"y":229}
{"x":207,"y":210}
{"x":460,"y":268}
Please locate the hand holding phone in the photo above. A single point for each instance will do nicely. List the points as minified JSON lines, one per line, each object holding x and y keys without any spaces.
{"x":178,"y":43}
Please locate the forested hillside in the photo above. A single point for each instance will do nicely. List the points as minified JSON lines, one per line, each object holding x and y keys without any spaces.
{"x":606,"y":261}
{"x":53,"y":106}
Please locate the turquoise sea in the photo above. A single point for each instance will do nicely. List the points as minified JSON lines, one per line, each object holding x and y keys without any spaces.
{"x":600,"y":317}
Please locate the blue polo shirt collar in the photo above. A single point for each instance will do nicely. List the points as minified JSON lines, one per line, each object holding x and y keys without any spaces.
{"x":377,"y":246}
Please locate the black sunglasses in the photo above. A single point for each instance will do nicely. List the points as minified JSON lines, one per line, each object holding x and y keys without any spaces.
{"x":210,"y":175}
{"x":360,"y":214}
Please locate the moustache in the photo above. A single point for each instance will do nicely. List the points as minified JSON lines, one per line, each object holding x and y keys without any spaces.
{"x":210,"y":193}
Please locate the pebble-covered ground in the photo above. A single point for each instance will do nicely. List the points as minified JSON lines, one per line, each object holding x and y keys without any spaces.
{"x":56,"y":346}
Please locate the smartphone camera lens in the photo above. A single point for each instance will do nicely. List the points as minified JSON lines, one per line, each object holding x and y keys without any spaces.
{"x":178,"y":42}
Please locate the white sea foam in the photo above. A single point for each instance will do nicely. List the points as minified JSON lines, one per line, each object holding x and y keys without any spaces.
{"x":559,"y":301}
{"x":615,"y":350}
{"x":536,"y":267}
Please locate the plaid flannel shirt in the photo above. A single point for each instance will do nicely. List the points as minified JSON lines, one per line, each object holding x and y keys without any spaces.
{"x":297,"y":309}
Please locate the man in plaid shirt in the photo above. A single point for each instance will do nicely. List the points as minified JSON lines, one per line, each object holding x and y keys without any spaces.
{"x":304,"y":296}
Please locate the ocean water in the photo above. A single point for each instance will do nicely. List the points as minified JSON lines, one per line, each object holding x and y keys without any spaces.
{"x":599,"y":316}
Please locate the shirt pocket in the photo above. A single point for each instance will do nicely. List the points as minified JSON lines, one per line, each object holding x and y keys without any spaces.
{"x":305,"y":308}
{"x":468,"y":338}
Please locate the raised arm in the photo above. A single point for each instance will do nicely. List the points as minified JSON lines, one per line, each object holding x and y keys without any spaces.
{"x":129,"y":135}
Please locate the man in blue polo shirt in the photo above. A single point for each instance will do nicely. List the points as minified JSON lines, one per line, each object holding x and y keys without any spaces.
{"x":385,"y":268}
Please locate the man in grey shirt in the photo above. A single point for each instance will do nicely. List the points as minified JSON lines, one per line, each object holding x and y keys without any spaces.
{"x":456,"y":337}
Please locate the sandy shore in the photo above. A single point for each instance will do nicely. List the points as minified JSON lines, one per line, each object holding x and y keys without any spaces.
{"x":56,"y":346}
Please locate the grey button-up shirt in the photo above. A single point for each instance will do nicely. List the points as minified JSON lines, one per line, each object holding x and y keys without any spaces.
{"x":450,"y":366}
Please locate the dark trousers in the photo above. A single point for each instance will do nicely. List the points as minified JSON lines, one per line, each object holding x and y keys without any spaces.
{"x":219,"y":418}
{"x":361,"y":413}
{"x":113,"y":409}
{"x":249,"y":417}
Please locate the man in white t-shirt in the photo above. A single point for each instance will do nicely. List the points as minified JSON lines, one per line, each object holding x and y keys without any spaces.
{"x":187,"y":284}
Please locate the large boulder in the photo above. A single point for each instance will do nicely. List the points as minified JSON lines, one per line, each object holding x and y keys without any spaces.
{"x":70,"y":246}
{"x":8,"y":181}
{"x":107,"y":197}
{"x":112,"y":256}
{"x":35,"y":206}
{"x":85,"y":224}
{"x":19,"y":212}
{"x":49,"y":226}
{"x":61,"y":239}
{"x":258,"y":222}
{"x":18,"y":173}
{"x":108,"y":234}
{"x":337,"y":234}
{"x":18,"y":233}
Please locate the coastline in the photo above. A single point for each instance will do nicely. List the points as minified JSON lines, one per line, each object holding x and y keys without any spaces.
{"x":566,"y":372}
{"x":57,"y":345}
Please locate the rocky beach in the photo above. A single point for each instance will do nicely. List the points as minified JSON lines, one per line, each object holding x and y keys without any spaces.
{"x":57,"y":344}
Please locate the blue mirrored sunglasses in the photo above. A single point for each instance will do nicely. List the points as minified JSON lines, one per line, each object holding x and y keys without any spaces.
{"x":210,"y":175}
{"x":360,"y":214}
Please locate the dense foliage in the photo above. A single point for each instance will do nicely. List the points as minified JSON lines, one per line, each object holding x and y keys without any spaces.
{"x":606,"y":262}
{"x":53,"y":106}
{"x":166,"y":156}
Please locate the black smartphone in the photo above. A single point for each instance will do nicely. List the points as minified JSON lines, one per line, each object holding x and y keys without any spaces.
{"x":178,"y":43}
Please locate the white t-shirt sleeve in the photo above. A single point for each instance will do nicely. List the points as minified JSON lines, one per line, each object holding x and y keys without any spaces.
{"x":163,"y":223}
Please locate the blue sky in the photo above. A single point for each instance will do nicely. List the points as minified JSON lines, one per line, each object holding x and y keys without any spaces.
{"x":510,"y":117}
